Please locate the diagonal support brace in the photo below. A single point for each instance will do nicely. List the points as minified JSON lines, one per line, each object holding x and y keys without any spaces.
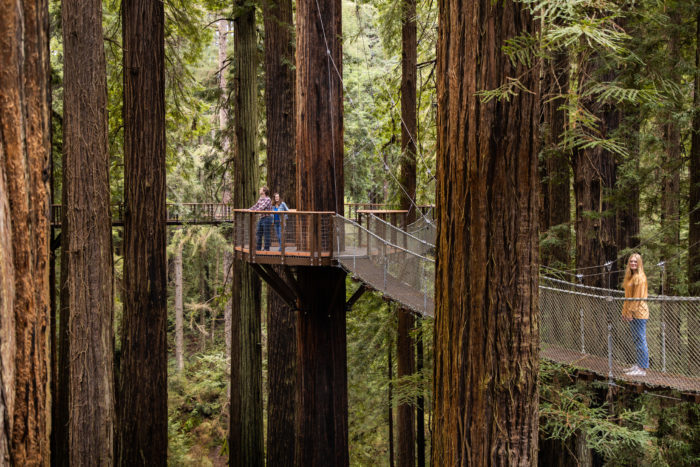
{"x":278,"y":284}
{"x":355,"y":296}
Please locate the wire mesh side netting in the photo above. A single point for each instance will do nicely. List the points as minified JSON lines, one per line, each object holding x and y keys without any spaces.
{"x":424,"y":228}
{"x":587,"y":330}
{"x":387,"y":263}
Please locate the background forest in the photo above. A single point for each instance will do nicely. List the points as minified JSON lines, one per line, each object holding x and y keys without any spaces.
{"x":621,"y":79}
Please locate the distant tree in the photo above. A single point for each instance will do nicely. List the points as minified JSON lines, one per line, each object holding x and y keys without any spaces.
{"x":694,"y":229}
{"x":86,"y":263}
{"x":142,"y":387}
{"x":24,"y":169}
{"x":486,"y":323}
{"x":246,"y":420}
{"x":405,"y":352}
{"x":281,"y":169}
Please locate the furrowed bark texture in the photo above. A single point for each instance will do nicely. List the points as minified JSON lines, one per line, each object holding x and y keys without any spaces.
{"x":406,"y":419}
{"x":24,"y":158}
{"x":694,"y":229}
{"x":179,"y":337}
{"x":142,"y":436}
{"x":87,"y":239}
{"x":486,"y":324}
{"x":420,"y":402}
{"x":555,"y":207}
{"x":246,"y":426}
{"x":7,"y":316}
{"x":322,"y":400}
{"x":281,"y":164}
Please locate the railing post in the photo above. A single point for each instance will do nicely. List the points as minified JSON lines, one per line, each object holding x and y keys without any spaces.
{"x":662,"y":265}
{"x":252,"y":246}
{"x":582,"y":321}
{"x":283,"y":234}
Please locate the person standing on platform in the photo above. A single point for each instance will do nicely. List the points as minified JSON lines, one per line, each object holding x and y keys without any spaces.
{"x":279,"y":205}
{"x":264,"y":226}
{"x":636,"y":312}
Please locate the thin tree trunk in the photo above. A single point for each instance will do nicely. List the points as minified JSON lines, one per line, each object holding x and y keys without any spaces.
{"x":281,"y":164}
{"x":179,"y":343}
{"x":390,"y":397}
{"x":322,"y":397}
{"x":694,"y":204}
{"x":406,"y":419}
{"x":556,"y":204}
{"x":87,"y":237}
{"x":24,"y":157}
{"x":143,"y":391}
{"x":486,"y":323}
{"x":420,"y":402}
{"x":246,"y":430}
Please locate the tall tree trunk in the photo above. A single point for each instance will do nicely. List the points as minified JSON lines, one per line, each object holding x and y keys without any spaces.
{"x":143,"y":391}
{"x":420,"y":402}
{"x":555,"y":167}
{"x":281,"y":319}
{"x":179,"y":342}
{"x":86,"y":268}
{"x":406,"y":419}
{"x":390,"y":398}
{"x":24,"y":165}
{"x":246,"y":430}
{"x":694,"y":204}
{"x":322,"y":397}
{"x":486,"y":322}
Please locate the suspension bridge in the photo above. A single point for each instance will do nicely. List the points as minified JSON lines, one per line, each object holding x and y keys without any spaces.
{"x":580,"y":326}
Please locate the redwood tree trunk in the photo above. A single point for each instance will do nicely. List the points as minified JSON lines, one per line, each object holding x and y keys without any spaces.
{"x":179,"y":341}
{"x":281,"y":163}
{"x":246,"y":426}
{"x":486,"y":323}
{"x":24,"y":167}
{"x":694,"y":229}
{"x":556,"y":205}
{"x":322,"y":409}
{"x":143,"y":392}
{"x":406,"y":419}
{"x":86,"y":266}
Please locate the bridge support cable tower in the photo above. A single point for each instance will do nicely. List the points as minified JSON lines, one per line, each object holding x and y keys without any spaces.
{"x":322,"y":401}
{"x":486,"y":316}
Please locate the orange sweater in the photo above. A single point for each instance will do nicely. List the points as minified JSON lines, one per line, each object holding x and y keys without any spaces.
{"x":636,"y":287}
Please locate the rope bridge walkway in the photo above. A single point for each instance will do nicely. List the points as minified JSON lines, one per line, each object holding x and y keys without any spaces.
{"x":579,"y":325}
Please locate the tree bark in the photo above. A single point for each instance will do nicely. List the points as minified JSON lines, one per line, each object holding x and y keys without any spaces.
{"x":281,"y":164}
{"x":246,"y":430}
{"x":555,"y":207}
{"x":322,"y":400}
{"x":24,"y":165}
{"x":406,"y":419}
{"x":87,"y":237}
{"x":7,"y":317}
{"x":143,"y":392}
{"x":420,"y":402}
{"x":390,"y":398}
{"x":694,"y":204}
{"x":179,"y":341}
{"x":486,"y":323}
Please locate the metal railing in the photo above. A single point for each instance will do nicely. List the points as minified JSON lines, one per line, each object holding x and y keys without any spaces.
{"x":352,"y":208}
{"x":176,"y":213}
{"x":385,"y":261}
{"x":301,"y":238}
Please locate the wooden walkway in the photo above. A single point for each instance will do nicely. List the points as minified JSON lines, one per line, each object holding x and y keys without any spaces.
{"x":599,"y":366}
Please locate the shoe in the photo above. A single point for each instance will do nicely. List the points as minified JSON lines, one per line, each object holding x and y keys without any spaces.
{"x":637,"y":372}
{"x":632,"y":368}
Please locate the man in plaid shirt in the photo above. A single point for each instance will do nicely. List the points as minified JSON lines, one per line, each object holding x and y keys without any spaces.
{"x":265,"y":223}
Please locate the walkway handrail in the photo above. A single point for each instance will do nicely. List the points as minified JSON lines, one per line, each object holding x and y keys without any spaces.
{"x":409,"y":235}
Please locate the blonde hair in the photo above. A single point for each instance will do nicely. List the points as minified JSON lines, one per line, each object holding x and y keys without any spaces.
{"x":640,"y":268}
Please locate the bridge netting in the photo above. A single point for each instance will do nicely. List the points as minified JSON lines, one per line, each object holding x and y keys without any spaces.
{"x":579,"y":325}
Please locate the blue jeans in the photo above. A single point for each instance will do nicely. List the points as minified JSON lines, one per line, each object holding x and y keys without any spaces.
{"x":638,"y":327}
{"x":264,"y":229}
{"x":278,"y":231}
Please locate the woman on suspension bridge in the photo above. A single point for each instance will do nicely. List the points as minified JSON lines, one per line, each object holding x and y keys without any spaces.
{"x":636,"y":312}
{"x":279,"y":205}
